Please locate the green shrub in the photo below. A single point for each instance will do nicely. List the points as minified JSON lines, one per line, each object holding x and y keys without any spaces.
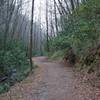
{"x":81,"y":30}
{"x":13,"y":63}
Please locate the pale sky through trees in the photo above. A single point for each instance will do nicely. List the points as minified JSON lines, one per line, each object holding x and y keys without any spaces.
{"x":27,"y":8}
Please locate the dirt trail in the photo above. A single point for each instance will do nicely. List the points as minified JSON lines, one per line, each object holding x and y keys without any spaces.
{"x":51,"y":81}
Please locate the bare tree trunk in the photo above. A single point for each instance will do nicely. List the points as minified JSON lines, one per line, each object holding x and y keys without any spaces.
{"x":9,"y":16}
{"x":40,"y":31}
{"x":66,"y":2}
{"x":31,"y":35}
{"x":34,"y":37}
{"x":58,"y":8}
{"x":56,"y":23}
{"x":15,"y":23}
{"x":51,"y":25}
{"x":6,"y":25}
{"x":63,"y":9}
{"x":47,"y":25}
{"x":72,"y":4}
{"x":78,"y":3}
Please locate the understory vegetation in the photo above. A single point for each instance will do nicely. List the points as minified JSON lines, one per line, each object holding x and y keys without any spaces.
{"x":14,"y":56}
{"x":14,"y":64}
{"x":79,"y":40}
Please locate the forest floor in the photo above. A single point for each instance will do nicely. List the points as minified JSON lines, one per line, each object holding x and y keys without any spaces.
{"x":51,"y":81}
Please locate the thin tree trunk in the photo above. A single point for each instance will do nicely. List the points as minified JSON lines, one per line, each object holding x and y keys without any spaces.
{"x":47,"y":25}
{"x":66,"y":2}
{"x":72,"y":4}
{"x":56,"y":23}
{"x":58,"y":8}
{"x":31,"y":35}
{"x":63,"y":9}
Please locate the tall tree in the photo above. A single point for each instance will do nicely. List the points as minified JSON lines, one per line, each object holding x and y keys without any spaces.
{"x":72,"y":4}
{"x":31,"y":35}
{"x":55,"y":13}
{"x":40,"y":30}
{"x":47,"y":25}
{"x":60,"y":12}
{"x":67,"y":6}
{"x":62,"y":7}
